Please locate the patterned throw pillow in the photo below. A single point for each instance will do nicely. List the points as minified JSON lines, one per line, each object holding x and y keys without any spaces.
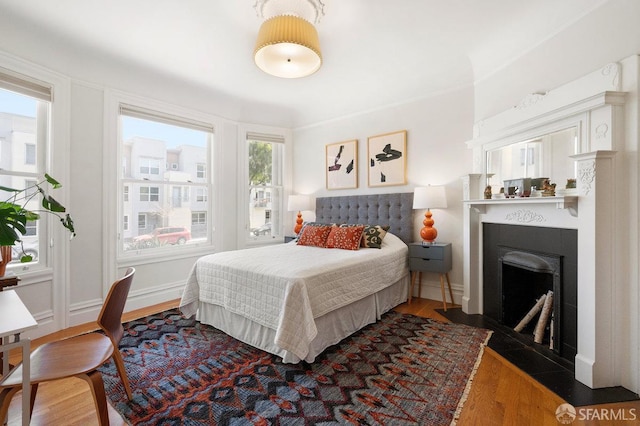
{"x":304,"y":225}
{"x":314,"y":236}
{"x":345,"y":237}
{"x":373,"y":235}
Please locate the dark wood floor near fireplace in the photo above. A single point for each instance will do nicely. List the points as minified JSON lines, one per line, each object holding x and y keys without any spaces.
{"x":550,"y":370}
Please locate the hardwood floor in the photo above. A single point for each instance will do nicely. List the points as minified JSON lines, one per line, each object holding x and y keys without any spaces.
{"x":501,"y":394}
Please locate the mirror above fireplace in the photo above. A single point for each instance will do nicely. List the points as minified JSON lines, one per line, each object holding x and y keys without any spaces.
{"x":545,"y":156}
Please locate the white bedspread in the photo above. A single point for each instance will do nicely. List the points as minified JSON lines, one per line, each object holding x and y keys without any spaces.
{"x":284,"y":287}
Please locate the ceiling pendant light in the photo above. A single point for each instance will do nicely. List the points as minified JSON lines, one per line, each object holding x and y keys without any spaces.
{"x":288,"y":44}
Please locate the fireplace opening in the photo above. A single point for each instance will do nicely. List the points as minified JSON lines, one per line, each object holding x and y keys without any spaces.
{"x":527,"y":280}
{"x":522,"y":263}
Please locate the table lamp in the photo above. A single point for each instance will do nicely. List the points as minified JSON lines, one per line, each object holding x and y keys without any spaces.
{"x":429,"y":197}
{"x":298,"y":203}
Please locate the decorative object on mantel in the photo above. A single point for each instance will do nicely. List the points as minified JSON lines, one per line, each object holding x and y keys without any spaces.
{"x":288,"y":44}
{"x":429,"y":197}
{"x":548,"y":189}
{"x":298,"y":203}
{"x":517,"y":187}
{"x":487,"y":192}
{"x":14,"y":216}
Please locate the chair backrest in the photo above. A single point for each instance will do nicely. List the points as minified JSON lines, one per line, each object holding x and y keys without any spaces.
{"x":110,"y":318}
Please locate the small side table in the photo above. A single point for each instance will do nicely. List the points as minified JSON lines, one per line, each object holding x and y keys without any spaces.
{"x":15,"y":320}
{"x":8,"y":280}
{"x":434,"y":257}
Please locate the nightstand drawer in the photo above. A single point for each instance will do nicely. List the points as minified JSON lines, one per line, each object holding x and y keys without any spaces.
{"x":429,"y":265}
{"x":433,"y":251}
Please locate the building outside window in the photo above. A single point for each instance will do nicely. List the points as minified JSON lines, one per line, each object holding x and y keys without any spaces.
{"x":30,"y":154}
{"x":149,"y":193}
{"x":265,"y":185}
{"x":25,"y":107}
{"x":169,"y":157}
{"x":201,"y":170}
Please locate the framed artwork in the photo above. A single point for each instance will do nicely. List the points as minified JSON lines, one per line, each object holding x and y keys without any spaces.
{"x":342,"y":165}
{"x":387,"y":159}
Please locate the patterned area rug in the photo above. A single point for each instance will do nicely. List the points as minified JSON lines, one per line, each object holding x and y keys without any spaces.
{"x":402,"y":370}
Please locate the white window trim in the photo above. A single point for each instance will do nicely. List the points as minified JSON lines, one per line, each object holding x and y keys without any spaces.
{"x":56,"y":272}
{"x":112,"y":159}
{"x":243,"y":208}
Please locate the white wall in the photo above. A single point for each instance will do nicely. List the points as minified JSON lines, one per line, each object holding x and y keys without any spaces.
{"x":437,"y":128}
{"x":608,"y":34}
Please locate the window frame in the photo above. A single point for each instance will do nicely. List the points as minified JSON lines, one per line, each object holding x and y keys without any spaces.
{"x":282,"y":219}
{"x":114,"y":101}
{"x":39,"y":151}
{"x":51,"y":272}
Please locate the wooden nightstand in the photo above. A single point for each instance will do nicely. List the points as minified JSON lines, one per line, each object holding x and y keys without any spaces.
{"x":434,"y":257}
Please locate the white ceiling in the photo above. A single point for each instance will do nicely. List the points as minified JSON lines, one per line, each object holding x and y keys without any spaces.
{"x":376,"y":52}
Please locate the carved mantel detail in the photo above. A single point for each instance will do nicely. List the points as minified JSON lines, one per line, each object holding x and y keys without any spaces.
{"x":525,"y":216}
{"x":612,"y":70}
{"x":601,"y":130}
{"x":530,"y":100}
{"x":586,"y":175}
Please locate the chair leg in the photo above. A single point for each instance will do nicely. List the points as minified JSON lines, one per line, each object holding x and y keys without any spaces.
{"x":117,"y":358}
{"x":6,"y":395}
{"x":32,"y":402}
{"x":94,"y":378}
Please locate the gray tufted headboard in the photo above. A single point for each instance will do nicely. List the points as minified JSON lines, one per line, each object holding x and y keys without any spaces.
{"x":395,"y":210}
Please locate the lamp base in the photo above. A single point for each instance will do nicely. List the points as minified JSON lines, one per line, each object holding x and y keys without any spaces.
{"x":428,"y":233}
{"x":298,"y":226}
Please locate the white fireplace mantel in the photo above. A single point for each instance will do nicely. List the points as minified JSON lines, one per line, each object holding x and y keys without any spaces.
{"x":569,"y":202}
{"x":595,"y":107}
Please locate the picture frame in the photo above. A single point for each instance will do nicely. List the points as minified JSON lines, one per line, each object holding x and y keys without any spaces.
{"x":341,"y":167}
{"x":387,"y":159}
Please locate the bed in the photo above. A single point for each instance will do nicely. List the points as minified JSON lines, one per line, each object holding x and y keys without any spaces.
{"x":314,"y":297}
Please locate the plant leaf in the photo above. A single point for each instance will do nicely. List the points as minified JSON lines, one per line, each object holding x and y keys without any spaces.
{"x":51,"y":204}
{"x":54,"y":183}
{"x":67,"y":222}
{"x":4,"y":188}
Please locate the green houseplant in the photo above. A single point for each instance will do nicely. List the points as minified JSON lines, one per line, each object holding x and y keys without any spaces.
{"x":14,"y":215}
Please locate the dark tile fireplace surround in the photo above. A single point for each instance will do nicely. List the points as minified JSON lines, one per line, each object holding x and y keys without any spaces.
{"x":510,"y":290}
{"x":552,"y":368}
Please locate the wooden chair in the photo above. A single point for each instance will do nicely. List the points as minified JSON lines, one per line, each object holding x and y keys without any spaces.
{"x":110,"y":321}
{"x":78,"y":356}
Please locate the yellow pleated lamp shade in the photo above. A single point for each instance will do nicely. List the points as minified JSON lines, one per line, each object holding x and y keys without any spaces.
{"x":288,"y":47}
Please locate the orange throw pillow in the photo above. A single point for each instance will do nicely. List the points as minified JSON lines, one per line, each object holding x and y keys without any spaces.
{"x":315,"y":236}
{"x":346,"y":238}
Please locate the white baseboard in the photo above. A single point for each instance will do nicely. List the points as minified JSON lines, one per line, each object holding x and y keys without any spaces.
{"x":431,"y":290}
{"x":88,"y":311}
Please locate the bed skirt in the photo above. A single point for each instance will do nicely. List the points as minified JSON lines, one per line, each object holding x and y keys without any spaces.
{"x":332,"y":327}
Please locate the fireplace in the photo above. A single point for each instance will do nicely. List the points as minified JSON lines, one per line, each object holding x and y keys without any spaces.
{"x":605,"y":311}
{"x":522,"y":263}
